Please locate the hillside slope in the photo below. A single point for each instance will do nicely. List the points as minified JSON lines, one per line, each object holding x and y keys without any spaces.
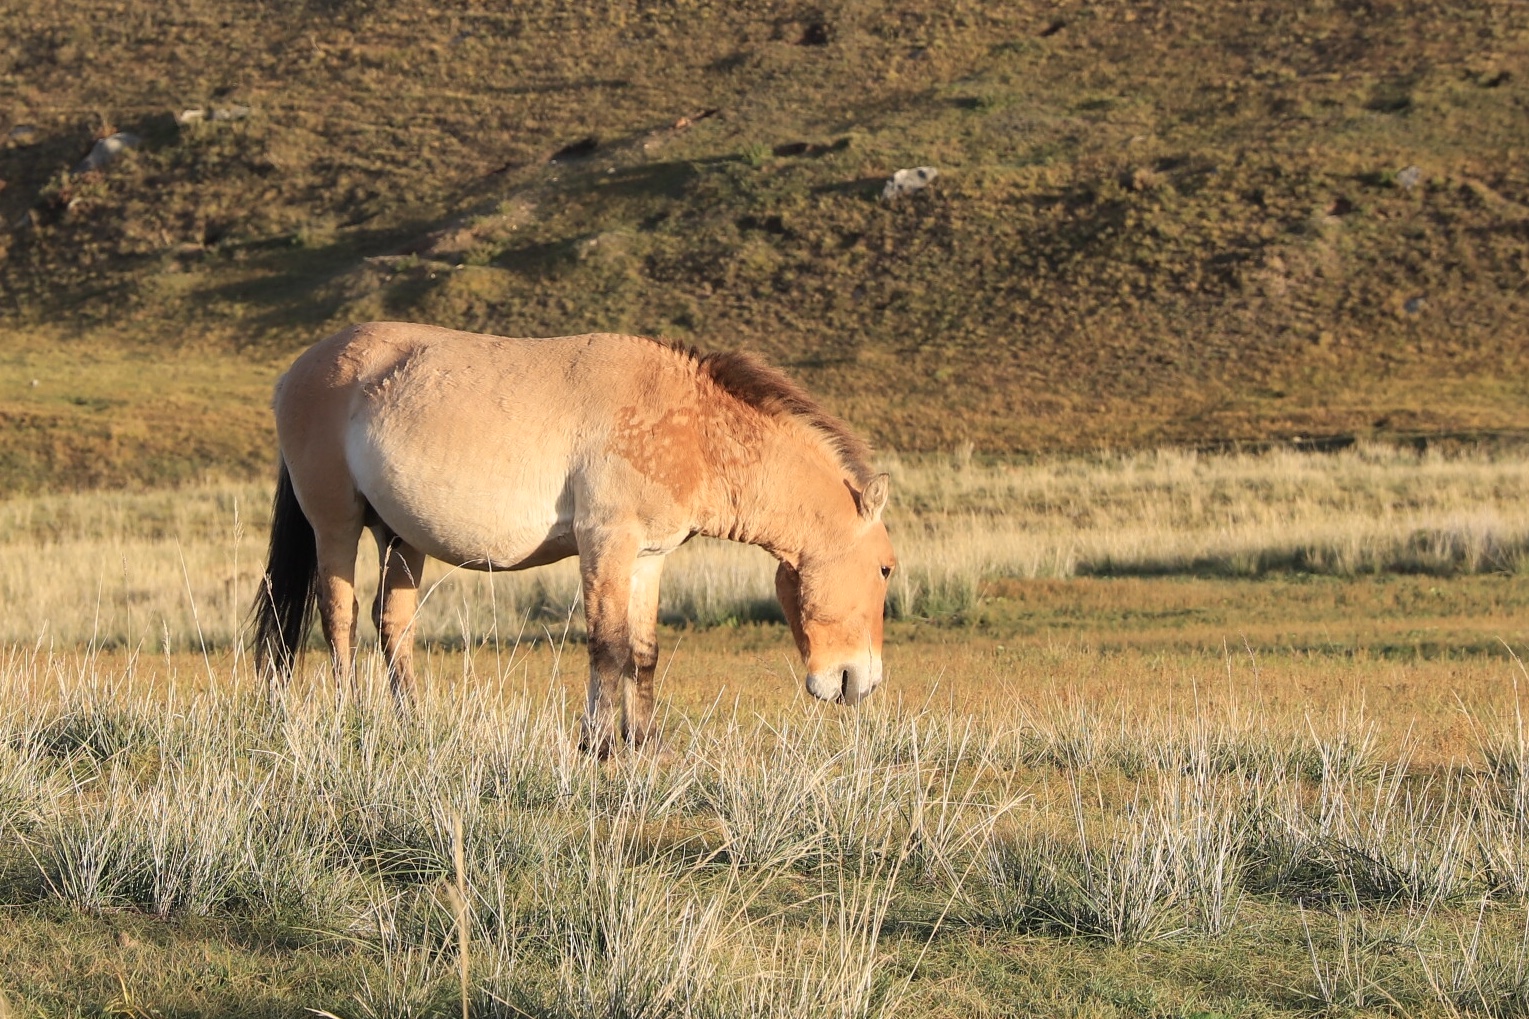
{"x":1153,"y":222}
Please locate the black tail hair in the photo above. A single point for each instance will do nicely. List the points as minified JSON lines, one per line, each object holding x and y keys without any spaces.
{"x":289,"y":588}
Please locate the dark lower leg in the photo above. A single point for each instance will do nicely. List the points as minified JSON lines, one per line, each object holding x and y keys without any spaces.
{"x":609,"y":662}
{"x":605,"y":562}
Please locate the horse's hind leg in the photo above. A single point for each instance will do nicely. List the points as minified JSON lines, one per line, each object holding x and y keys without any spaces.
{"x":337,"y":595}
{"x":393,"y":611}
{"x":642,"y":626}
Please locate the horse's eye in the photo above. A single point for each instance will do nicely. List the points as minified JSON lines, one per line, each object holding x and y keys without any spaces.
{"x":886,"y":571}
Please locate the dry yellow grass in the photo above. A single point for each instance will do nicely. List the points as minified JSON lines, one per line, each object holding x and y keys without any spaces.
{"x":1233,"y":835}
{"x":991,"y":610}
{"x":1114,"y":690}
{"x":1070,"y":788}
{"x":176,"y":569}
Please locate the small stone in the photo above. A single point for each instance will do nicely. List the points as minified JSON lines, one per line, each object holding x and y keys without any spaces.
{"x":195,"y":115}
{"x":1409,"y":178}
{"x":23,"y":135}
{"x":1413,"y":305}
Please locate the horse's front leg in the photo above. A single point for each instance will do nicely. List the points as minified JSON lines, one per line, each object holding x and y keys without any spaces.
{"x":605,"y":565}
{"x":642,"y":627}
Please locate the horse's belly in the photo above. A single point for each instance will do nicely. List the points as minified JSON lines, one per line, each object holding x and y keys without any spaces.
{"x":482,"y":540}
{"x":482,"y":504}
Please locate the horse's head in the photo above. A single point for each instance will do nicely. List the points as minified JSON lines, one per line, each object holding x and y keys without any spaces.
{"x":833,"y":598}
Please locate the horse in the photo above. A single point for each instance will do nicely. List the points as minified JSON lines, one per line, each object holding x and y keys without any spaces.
{"x":493,"y":453}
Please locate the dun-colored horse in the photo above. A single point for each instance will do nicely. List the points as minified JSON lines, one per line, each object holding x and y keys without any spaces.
{"x":503,"y":454}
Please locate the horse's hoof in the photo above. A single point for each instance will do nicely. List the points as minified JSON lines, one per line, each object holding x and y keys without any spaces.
{"x":648,"y":744}
{"x":599,"y":749}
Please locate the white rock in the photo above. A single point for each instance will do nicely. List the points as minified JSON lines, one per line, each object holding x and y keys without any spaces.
{"x":108,"y":149}
{"x":905,"y":182}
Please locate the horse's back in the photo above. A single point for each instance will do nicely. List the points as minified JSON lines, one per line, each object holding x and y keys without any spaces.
{"x":468,"y":446}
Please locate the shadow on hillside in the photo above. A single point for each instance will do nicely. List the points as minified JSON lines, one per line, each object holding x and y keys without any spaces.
{"x":861,"y":187}
{"x":653,"y":180}
{"x":297,"y":289}
{"x":303,"y":287}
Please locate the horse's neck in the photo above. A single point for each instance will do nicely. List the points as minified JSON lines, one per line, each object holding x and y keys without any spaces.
{"x":785,"y":495}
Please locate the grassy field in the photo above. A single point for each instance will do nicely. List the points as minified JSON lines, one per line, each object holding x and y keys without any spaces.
{"x":1263,"y":754}
{"x":1189,"y":222}
{"x":1166,"y":734}
{"x":1176,"y":834}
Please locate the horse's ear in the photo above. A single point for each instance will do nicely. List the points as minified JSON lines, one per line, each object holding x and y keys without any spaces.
{"x":874,"y":499}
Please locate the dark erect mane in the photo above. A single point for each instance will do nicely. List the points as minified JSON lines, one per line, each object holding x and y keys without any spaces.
{"x":764,"y":387}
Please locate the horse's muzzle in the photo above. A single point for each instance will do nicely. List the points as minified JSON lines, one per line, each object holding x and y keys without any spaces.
{"x":849,"y":683}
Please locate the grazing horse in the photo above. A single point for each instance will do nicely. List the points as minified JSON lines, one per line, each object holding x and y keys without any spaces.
{"x":502,"y":454}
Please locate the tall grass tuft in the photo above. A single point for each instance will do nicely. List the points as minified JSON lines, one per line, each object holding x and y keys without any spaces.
{"x":1479,"y":974}
{"x":1122,"y":880}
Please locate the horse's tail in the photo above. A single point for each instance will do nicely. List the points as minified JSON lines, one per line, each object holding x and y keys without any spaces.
{"x":289,"y":587}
